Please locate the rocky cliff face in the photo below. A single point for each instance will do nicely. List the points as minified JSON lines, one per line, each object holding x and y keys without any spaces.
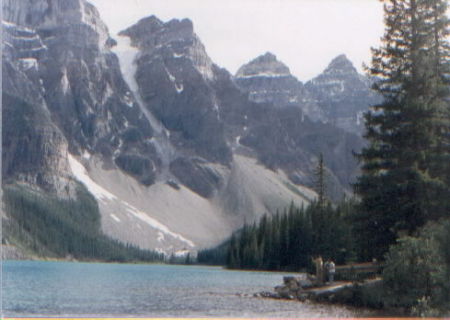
{"x":339,"y":96}
{"x":177,"y":153}
{"x":65,"y":92}
{"x":343,"y":94}
{"x":82,"y":84}
{"x":268,"y":80}
{"x":298,"y":127}
{"x":34,"y":149}
{"x":174,"y":75}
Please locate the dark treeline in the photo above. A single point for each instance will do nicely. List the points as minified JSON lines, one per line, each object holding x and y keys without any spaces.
{"x":50,"y":227}
{"x":215,"y":256}
{"x":288,"y":240}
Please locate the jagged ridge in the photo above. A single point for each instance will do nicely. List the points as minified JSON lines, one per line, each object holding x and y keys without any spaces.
{"x":231,"y":158}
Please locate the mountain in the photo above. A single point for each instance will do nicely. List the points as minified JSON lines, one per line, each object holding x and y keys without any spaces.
{"x":74,"y":107}
{"x":173,"y":151}
{"x":79,"y":79}
{"x":343,"y":94}
{"x":298,"y":127}
{"x":339,"y":96}
{"x":161,"y":170}
{"x":269,"y":80}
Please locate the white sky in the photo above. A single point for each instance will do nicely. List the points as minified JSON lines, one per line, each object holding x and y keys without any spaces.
{"x":304,"y":34}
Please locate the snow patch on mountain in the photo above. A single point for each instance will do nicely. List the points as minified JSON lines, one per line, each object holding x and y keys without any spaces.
{"x":115,"y":217}
{"x":9,"y":24}
{"x":104,"y":195}
{"x":127,"y":55}
{"x":265,"y":65}
{"x":81,"y":174}
{"x":28,"y":63}
{"x":171,"y":76}
{"x":181,"y":253}
{"x":155,"y":224}
{"x":65,"y":85}
{"x":107,"y":94}
{"x":264,"y":75}
{"x":179,"y":87}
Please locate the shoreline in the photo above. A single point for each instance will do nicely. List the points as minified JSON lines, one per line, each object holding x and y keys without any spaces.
{"x":243,"y":294}
{"x":358,"y":295}
{"x":13,"y":253}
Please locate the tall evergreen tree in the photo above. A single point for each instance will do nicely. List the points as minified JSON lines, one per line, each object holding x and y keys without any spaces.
{"x":403,"y":182}
{"x":320,"y":181}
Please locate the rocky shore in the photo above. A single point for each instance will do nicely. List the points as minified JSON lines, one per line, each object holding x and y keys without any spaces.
{"x":362,"y":293}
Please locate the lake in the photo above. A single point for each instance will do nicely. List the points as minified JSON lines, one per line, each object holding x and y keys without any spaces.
{"x":38,"y":288}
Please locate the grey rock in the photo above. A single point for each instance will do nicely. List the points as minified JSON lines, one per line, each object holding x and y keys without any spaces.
{"x":267,"y":80}
{"x":339,"y":96}
{"x":196,"y":175}
{"x":297,"y":283}
{"x":137,"y":166}
{"x":266,"y":65}
{"x":290,"y":128}
{"x":266,"y":294}
{"x":302,"y":296}
{"x":289,"y":279}
{"x":306,"y":283}
{"x":343,"y":94}
{"x":284,"y":292}
{"x":33,"y":148}
{"x":174,"y":76}
{"x":65,"y":48}
{"x":288,"y":142}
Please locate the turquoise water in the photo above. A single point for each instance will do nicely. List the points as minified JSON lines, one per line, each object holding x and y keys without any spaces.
{"x":36,"y":288}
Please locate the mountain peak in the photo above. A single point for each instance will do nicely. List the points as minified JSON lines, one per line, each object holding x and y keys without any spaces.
{"x":152,"y":24}
{"x":265,"y":65}
{"x":174,"y":39}
{"x":341,"y":64}
{"x":267,"y":57}
{"x":176,"y":24}
{"x":151,"y":30}
{"x":147,"y":24}
{"x":150,"y":20}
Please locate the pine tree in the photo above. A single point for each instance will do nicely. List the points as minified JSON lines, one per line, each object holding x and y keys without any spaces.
{"x":274,"y":255}
{"x":438,"y":73}
{"x":320,"y":182}
{"x":284,"y":241}
{"x":233,"y":255}
{"x":403,"y":173}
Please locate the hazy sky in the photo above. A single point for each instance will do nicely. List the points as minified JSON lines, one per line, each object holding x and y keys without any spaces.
{"x":304,"y":34}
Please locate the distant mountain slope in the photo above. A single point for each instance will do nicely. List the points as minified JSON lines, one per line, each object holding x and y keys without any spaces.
{"x":339,"y":96}
{"x":175,"y":152}
{"x":343,"y":94}
{"x":298,"y":127}
{"x":268,"y":80}
{"x":34,"y":148}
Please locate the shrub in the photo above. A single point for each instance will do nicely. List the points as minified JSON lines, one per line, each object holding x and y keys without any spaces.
{"x":416,"y":275}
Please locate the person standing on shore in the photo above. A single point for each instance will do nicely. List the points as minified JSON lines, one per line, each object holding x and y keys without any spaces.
{"x":326,"y":272}
{"x":331,"y":270}
{"x":319,"y":270}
